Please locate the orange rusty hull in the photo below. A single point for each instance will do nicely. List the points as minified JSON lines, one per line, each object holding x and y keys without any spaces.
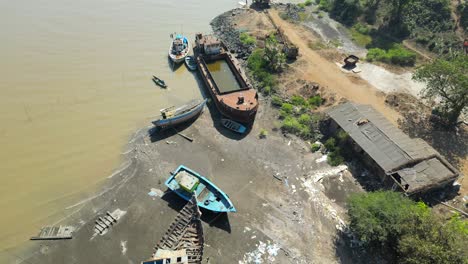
{"x":240,"y":105}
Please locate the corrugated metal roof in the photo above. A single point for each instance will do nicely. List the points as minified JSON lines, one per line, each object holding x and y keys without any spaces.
{"x":417,"y":163}
{"x":425,"y":173}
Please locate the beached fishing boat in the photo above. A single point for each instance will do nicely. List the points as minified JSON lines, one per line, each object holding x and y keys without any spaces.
{"x":179,"y":49}
{"x":228,"y":85}
{"x":159,"y":82}
{"x":183,"y":242}
{"x":173,"y":116}
{"x":233,"y":125}
{"x":190,"y":63}
{"x":186,"y":182}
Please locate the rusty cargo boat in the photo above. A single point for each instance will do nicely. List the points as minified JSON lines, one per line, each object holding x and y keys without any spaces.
{"x":232,"y":93}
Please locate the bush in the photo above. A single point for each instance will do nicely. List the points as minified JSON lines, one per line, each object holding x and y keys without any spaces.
{"x":298,"y":100}
{"x":305,"y":119}
{"x":246,"y":39}
{"x":334,"y":158}
{"x":291,"y":125}
{"x":287,"y":108}
{"x":395,"y":55}
{"x":342,"y":136}
{"x":276,"y":100}
{"x":301,"y":5}
{"x":259,"y":68}
{"x":315,"y":147}
{"x":315,"y":101}
{"x":360,"y":34}
{"x":330,"y":144}
{"x":308,"y":2}
{"x":263,"y":133}
{"x":391,"y":221}
{"x":325,"y":5}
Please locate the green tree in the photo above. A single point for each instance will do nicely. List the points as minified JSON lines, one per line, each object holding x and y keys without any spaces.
{"x":274,"y":57}
{"x":446,"y":80}
{"x":381,"y":218}
{"x":391,"y":221}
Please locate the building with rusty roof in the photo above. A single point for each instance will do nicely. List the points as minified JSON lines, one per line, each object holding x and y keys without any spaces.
{"x":410,"y":164}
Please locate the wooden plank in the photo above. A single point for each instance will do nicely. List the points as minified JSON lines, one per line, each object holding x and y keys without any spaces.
{"x":54,"y":233}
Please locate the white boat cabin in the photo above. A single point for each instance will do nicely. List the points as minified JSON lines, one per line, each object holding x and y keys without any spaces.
{"x":168,"y":257}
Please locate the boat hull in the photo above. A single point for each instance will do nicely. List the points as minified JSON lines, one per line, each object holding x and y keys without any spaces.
{"x":213,"y":198}
{"x":227,"y":103}
{"x":180,"y":57}
{"x":177,"y":120}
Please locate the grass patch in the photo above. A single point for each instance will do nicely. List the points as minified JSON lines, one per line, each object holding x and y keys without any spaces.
{"x":336,"y":42}
{"x":315,"y":147}
{"x":263,"y":133}
{"x":397,"y":54}
{"x":276,"y":100}
{"x":317,"y":45}
{"x":360,"y":34}
{"x":246,"y":39}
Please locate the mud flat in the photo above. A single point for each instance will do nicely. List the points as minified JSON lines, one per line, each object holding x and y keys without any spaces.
{"x":277,"y":185}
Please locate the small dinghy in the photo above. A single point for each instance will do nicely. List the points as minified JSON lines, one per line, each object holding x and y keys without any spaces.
{"x":186,"y":182}
{"x":173,"y":116}
{"x":180,"y":47}
{"x":190,"y":63}
{"x":159,"y":82}
{"x":233,"y":125}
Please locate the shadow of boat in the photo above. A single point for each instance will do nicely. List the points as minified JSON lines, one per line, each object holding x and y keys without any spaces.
{"x":213,"y":219}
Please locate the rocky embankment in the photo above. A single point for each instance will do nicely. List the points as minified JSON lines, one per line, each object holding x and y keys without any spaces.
{"x":224,"y":28}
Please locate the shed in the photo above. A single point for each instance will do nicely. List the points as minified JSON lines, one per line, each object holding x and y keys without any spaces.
{"x":412,"y":164}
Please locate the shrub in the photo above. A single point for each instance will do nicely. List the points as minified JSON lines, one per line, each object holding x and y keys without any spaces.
{"x":276,"y":100}
{"x":397,"y":54}
{"x":334,"y":158}
{"x":305,"y":119}
{"x":315,"y":101}
{"x":412,"y":232}
{"x":263,"y":133}
{"x":298,"y":100}
{"x":342,"y":136}
{"x":290,"y":124}
{"x":325,"y":5}
{"x":315,"y":147}
{"x":301,"y":5}
{"x":330,"y":144}
{"x":246,"y":39}
{"x":308,"y":2}
{"x":360,"y":34}
{"x":288,"y":108}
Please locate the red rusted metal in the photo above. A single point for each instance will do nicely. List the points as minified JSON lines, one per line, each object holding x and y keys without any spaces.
{"x":240,"y":105}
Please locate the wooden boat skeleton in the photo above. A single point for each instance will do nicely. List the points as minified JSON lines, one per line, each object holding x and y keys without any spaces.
{"x":185,"y":233}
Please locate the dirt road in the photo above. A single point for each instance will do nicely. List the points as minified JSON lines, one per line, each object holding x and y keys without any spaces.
{"x":311,"y":66}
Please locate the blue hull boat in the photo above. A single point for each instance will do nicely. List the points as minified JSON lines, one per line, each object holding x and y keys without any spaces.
{"x":186,"y":182}
{"x":233,"y":125}
{"x":172,"y":116}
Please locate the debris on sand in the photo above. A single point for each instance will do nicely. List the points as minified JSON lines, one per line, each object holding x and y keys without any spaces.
{"x":264,"y":253}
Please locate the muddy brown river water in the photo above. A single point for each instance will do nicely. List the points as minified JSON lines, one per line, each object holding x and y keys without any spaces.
{"x":75,"y":84}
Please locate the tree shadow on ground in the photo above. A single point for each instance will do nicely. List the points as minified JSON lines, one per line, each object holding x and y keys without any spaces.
{"x":218,"y":220}
{"x":452,"y":143}
{"x":349,"y":251}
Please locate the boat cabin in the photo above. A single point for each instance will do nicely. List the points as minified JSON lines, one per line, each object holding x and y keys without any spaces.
{"x":168,"y":256}
{"x":208,"y":44}
{"x":179,"y":45}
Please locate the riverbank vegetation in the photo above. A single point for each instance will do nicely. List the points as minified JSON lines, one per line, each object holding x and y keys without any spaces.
{"x":409,"y":231}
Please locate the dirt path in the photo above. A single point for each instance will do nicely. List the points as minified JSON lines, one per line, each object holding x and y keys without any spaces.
{"x":314,"y":67}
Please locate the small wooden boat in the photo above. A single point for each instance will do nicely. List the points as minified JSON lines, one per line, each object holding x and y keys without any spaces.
{"x":173,"y":116}
{"x":159,"y":82}
{"x":190,"y":63}
{"x":184,"y":241}
{"x":186,"y":182}
{"x":233,"y":125}
{"x":179,"y":49}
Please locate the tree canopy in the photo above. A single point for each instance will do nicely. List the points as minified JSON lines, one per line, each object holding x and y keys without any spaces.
{"x":388,"y":220}
{"x":447,"y":80}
